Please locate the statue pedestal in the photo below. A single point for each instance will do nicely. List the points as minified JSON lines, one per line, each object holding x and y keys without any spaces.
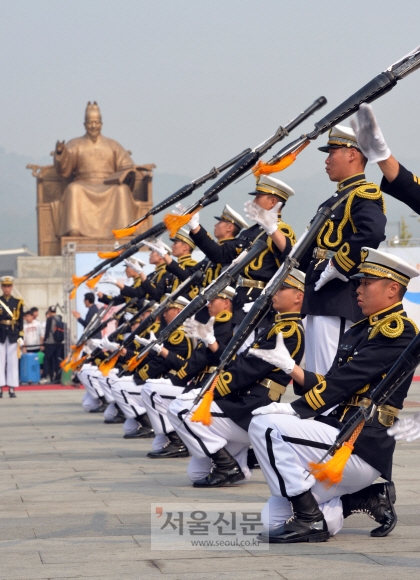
{"x":83,"y":244}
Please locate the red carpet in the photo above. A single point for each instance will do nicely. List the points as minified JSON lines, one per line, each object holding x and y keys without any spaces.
{"x":47,"y":388}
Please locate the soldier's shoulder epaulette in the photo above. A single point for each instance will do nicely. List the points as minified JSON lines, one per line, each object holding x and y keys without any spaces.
{"x":189,"y":262}
{"x":287,"y":327}
{"x":392,"y":326}
{"x":368,"y":191}
{"x":176,"y":337}
{"x":223,"y":316}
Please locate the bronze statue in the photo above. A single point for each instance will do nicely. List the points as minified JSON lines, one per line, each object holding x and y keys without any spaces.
{"x":98,"y":198}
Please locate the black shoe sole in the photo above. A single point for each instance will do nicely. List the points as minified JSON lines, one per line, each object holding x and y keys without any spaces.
{"x":172,"y":456}
{"x":145,"y":436}
{"x":311,"y":538}
{"x":227,"y":482}
{"x":384,"y":530}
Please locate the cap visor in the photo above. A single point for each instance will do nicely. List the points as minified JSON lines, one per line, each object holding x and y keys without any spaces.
{"x":362,"y":275}
{"x":326,"y":148}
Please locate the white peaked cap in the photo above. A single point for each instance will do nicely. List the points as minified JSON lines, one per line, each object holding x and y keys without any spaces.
{"x":376,"y":264}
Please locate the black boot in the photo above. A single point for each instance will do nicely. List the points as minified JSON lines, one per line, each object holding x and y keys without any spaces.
{"x":143,"y":431}
{"x":174,"y":448}
{"x":1,"y":392}
{"x":377,"y":502}
{"x":119,"y":418}
{"x":225,"y":471}
{"x":252,"y":460}
{"x":307,"y":523}
{"x":102,"y":406}
{"x":12,"y":393}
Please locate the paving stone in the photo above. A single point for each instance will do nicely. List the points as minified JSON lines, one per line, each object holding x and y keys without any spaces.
{"x":76,"y":503}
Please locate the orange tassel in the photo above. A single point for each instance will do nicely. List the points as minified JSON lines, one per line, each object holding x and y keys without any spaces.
{"x":265,"y":168}
{"x":73,"y":293}
{"x":77,"y":280}
{"x":124,"y":232}
{"x":203,"y":414}
{"x":331,"y":472}
{"x":65,"y":363}
{"x":93,"y":281}
{"x":134,"y":362}
{"x":76,"y":350}
{"x":75,"y":365}
{"x":108,"y":255}
{"x":174,"y":222}
{"x":106,"y":366}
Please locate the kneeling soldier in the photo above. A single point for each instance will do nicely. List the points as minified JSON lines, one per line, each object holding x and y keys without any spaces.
{"x":245,"y":385}
{"x":285,"y":441}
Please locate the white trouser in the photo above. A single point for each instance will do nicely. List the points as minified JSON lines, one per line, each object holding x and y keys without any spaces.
{"x":284,"y":447}
{"x":9,"y":364}
{"x":322,"y":336}
{"x":156,"y":397}
{"x":110,"y":412}
{"x":88,"y":376}
{"x":105,"y":384}
{"x":89,"y":403}
{"x":203,"y":441}
{"x":127,"y":395}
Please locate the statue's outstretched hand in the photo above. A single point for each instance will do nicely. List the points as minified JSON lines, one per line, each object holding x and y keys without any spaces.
{"x":59,"y":146}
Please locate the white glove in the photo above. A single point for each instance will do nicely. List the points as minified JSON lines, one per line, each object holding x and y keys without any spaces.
{"x":279,"y":356}
{"x":179,"y":209}
{"x":20,"y":342}
{"x":109,"y":280}
{"x":157,"y":247}
{"x":190,"y":396}
{"x":204,"y":332}
{"x":146,"y":341}
{"x":247,"y":307}
{"x":329,"y":274}
{"x":93,"y":343}
{"x":108,"y":345}
{"x":276,"y":409}
{"x":267,"y":218}
{"x":136,"y":266}
{"x":408,"y":428}
{"x":157,"y":348}
{"x":194,"y":221}
{"x":369,"y":135}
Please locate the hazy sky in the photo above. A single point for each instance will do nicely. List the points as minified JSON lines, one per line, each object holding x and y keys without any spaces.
{"x":187,"y":84}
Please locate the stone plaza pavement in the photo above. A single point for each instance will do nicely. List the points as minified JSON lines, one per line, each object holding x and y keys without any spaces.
{"x":75,"y":503}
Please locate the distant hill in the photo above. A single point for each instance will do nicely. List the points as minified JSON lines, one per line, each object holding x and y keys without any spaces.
{"x":18,"y":199}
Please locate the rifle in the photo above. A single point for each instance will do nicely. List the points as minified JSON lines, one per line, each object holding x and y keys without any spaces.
{"x":109,"y":362}
{"x":373,"y":90}
{"x":205,"y":295}
{"x":173,"y":223}
{"x":122,"y":328}
{"x":260,"y":307}
{"x":400,"y":371}
{"x":180,"y":194}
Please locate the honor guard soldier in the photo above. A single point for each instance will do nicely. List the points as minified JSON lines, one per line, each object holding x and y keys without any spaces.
{"x":133,"y":268}
{"x":357,"y":220}
{"x":141,"y":291}
{"x":182,"y":246}
{"x":286,"y":441}
{"x":245,"y":384}
{"x":11,"y":336}
{"x":226,"y":229}
{"x":269,"y":193}
{"x":158,"y":393}
{"x":171,"y":354}
{"x":398,"y":182}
